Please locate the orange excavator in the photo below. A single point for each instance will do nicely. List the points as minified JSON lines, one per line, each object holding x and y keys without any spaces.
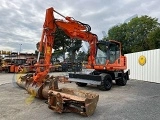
{"x":105,"y":61}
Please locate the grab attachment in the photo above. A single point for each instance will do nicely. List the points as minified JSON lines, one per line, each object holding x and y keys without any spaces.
{"x":72,"y":100}
{"x":60,"y":100}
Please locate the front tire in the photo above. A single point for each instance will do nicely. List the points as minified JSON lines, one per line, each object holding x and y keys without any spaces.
{"x":106,"y":82}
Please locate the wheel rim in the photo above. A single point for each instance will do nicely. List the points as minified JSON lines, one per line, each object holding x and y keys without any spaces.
{"x":108,"y":84}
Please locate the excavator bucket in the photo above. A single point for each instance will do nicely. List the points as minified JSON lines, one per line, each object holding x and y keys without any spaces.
{"x":37,"y":90}
{"x":25,"y":80}
{"x":73,"y":100}
{"x":60,"y":100}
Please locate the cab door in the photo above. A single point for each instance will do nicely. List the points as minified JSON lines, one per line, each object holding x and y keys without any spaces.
{"x":114,"y":52}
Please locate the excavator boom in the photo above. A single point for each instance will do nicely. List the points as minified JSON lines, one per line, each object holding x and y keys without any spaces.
{"x":41,"y":85}
{"x":73,"y":28}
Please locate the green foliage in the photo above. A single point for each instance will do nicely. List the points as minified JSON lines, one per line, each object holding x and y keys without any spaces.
{"x":73,"y":48}
{"x":140,"y":34}
{"x":75,"y":45}
{"x":63,"y":43}
{"x":36,"y":51}
{"x":61,"y":40}
{"x":119,"y":33}
{"x":82,"y":56}
{"x":56,"y":54}
{"x":154,"y":39}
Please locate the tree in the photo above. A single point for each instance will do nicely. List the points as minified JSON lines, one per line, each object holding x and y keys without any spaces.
{"x":36,"y":51}
{"x":134,"y":35}
{"x":57,"y":54}
{"x":138,"y":30}
{"x":64,"y":43}
{"x":119,"y":33}
{"x":82,"y":56}
{"x":154,"y":39}
{"x":73,"y":48}
{"x":61,"y":42}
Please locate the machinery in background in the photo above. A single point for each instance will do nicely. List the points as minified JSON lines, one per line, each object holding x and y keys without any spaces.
{"x":17,"y":65}
{"x":71,"y":66}
{"x":12,"y":66}
{"x":25,"y":65}
{"x":57,"y":66}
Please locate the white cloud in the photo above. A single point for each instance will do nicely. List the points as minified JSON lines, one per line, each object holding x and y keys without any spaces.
{"x":21,"y":21}
{"x":6,"y":48}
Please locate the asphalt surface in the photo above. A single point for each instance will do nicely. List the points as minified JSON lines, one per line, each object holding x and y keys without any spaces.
{"x":138,"y":100}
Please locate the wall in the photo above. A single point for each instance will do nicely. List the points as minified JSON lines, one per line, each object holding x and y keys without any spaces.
{"x":149,"y":71}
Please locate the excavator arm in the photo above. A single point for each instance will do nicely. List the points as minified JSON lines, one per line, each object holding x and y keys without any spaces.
{"x":73,"y":28}
{"x":41,"y":85}
{"x":47,"y":40}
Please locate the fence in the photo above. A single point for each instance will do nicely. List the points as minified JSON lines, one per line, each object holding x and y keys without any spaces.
{"x":144,"y":65}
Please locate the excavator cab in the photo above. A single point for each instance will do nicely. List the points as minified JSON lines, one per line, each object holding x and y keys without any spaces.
{"x":109,"y":65}
{"x":107,"y":50}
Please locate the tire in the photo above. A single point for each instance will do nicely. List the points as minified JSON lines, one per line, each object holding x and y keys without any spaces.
{"x":7,"y":70}
{"x":122,"y":81}
{"x":81,"y":84}
{"x":106,"y":82}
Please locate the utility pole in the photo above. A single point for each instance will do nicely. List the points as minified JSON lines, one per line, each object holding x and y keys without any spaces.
{"x":20,"y":49}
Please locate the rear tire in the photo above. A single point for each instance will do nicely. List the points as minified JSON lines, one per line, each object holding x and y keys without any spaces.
{"x":81,"y":84}
{"x":106,"y":82}
{"x":122,"y":81}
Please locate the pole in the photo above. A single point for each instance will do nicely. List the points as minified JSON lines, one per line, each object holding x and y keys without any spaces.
{"x":20,"y":49}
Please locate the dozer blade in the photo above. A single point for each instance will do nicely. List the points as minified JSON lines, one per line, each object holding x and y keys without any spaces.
{"x":60,"y":100}
{"x":73,"y":100}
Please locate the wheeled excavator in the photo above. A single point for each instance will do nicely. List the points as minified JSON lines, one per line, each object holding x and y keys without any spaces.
{"x":105,"y":61}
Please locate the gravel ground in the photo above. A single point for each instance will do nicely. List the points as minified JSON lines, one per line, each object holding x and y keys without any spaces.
{"x":138,"y":100}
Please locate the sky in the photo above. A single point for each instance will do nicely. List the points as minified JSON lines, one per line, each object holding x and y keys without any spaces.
{"x":21,"y":21}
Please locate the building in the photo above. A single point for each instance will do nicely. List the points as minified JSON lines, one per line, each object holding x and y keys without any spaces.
{"x":16,"y":55}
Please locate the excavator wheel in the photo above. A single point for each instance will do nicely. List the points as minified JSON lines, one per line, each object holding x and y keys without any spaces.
{"x":81,"y":84}
{"x":106,"y":82}
{"x":7,"y":70}
{"x":122,"y":81}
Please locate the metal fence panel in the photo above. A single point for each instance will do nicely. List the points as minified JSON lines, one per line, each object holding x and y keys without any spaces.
{"x":150,"y":71}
